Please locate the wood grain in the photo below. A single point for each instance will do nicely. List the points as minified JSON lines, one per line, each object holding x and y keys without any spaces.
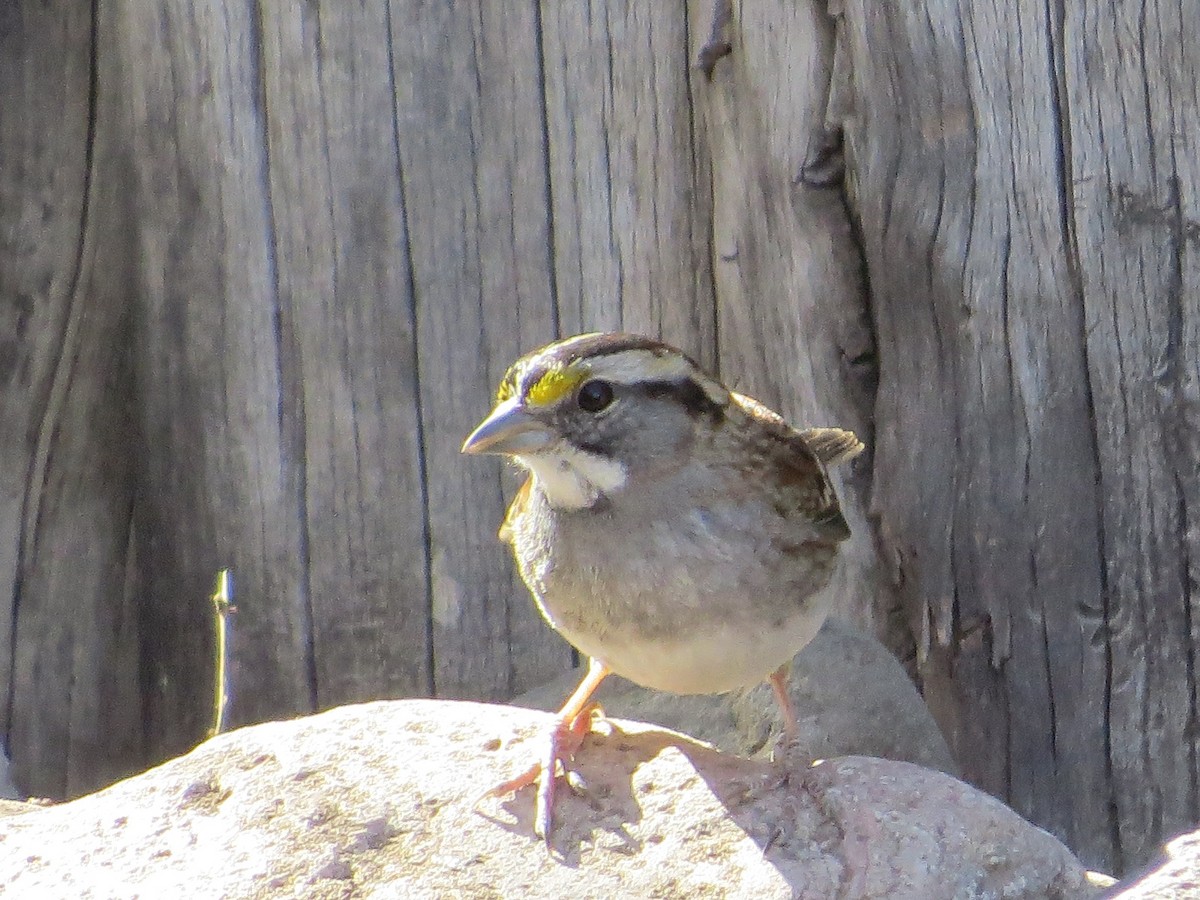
{"x":68,"y":644}
{"x":629,"y":198}
{"x":1130,"y":116}
{"x":472,"y":167}
{"x":348,"y":348}
{"x":220,"y":465}
{"x":1024,"y":471}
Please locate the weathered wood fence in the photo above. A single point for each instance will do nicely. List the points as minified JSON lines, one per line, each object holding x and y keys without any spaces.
{"x":261,"y":265}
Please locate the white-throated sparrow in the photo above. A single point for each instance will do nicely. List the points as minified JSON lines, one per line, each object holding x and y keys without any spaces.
{"x":677,"y":533}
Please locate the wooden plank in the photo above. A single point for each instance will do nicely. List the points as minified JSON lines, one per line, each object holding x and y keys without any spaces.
{"x":473,"y":173}
{"x":987,"y":454}
{"x":68,"y":639}
{"x":76,"y":713}
{"x":348,"y":347}
{"x":630,"y":209}
{"x":1130,"y":112}
{"x":792,"y":320}
{"x":220,"y":464}
{"x":44,"y":81}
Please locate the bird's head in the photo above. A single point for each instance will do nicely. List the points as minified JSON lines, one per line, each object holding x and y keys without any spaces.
{"x":592,"y":415}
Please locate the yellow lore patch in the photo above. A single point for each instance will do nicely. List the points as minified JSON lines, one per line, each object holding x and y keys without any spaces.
{"x":508,"y":387}
{"x":553,"y":385}
{"x":550,"y":387}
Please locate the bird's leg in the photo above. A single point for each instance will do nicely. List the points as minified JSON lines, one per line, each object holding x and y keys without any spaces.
{"x":789,"y":756}
{"x":779,"y":682}
{"x":571,"y":725}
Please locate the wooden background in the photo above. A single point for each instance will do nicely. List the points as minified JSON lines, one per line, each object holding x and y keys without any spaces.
{"x":262,"y":264}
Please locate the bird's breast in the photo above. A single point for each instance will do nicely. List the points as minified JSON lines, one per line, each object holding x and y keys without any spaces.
{"x":706,"y":599}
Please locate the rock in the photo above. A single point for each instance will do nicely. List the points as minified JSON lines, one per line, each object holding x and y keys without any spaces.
{"x":382,"y":800}
{"x":20,"y":807}
{"x":851,"y":696}
{"x":1175,"y":875}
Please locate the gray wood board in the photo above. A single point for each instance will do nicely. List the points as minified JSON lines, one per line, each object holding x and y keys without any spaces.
{"x":1025,"y":201}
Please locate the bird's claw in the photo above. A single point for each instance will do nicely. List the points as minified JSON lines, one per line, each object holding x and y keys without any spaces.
{"x":565,"y":738}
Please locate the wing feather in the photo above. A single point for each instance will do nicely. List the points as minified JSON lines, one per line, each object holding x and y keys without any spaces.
{"x":514,"y":510}
{"x":801,"y":457}
{"x":832,"y":445}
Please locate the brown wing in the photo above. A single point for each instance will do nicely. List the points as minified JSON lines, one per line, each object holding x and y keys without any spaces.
{"x":515,"y":509}
{"x":800,"y":457}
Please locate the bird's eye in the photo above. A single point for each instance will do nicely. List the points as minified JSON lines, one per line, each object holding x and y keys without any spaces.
{"x":595,"y":395}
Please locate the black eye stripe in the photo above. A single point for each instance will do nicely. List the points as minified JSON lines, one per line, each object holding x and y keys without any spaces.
{"x":685,"y":391}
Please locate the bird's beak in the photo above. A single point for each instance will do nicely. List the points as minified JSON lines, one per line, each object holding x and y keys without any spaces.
{"x":510,"y":430}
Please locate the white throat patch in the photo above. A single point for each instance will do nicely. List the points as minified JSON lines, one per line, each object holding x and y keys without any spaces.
{"x":574,"y":479}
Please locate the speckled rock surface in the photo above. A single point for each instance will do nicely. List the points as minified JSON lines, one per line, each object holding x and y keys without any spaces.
{"x":1175,"y":875}
{"x":382,"y":800}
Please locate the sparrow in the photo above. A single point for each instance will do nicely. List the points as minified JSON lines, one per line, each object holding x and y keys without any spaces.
{"x":675,"y":532}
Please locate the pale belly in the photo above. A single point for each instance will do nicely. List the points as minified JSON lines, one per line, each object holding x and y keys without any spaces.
{"x":707,"y":660}
{"x":705,"y":599}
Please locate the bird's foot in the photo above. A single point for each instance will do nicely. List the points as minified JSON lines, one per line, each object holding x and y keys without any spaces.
{"x":565,"y":738}
{"x":790,"y":758}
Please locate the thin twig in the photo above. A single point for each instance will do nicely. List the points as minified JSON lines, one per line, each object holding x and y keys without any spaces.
{"x":223,"y":608}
